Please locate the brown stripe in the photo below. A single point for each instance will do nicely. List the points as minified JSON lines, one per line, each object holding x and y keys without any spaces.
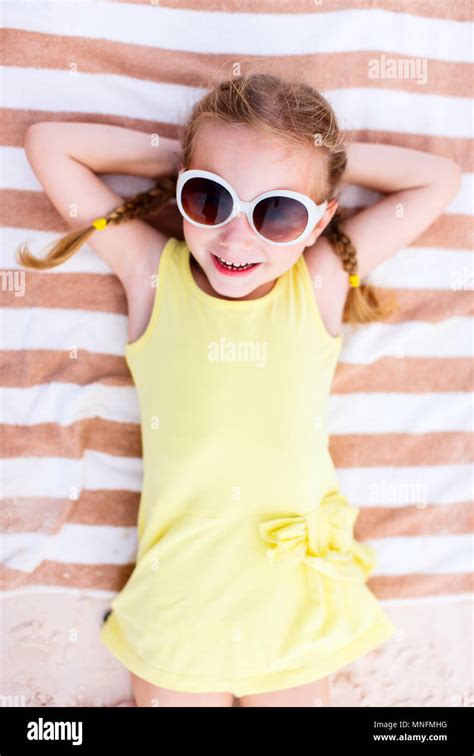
{"x":429,"y":305}
{"x":141,"y":62}
{"x":407,"y":374}
{"x":29,"y":367}
{"x":48,"y":515}
{"x":123,"y":439}
{"x":33,"y":210}
{"x":409,"y":520}
{"x":104,"y":577}
{"x":417,"y":375}
{"x":84,"y":291}
{"x":105,"y":293}
{"x":15,"y":122}
{"x":421,"y":584}
{"x":459,"y":11}
{"x":402,"y":449}
{"x":114,"y":577}
{"x":120,"y":509}
{"x":412,"y":375}
{"x":54,"y":440}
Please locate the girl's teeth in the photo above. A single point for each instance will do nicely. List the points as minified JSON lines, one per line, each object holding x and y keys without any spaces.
{"x":233,"y":265}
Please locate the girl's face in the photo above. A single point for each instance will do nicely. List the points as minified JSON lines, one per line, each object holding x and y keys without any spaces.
{"x":252,"y":165}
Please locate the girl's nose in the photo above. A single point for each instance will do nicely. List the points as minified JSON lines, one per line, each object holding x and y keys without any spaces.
{"x":238,"y":231}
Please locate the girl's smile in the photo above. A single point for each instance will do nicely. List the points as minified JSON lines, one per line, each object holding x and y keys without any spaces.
{"x":228,"y":268}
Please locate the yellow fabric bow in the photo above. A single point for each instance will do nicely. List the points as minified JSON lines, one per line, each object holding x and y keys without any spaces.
{"x":322,"y":539}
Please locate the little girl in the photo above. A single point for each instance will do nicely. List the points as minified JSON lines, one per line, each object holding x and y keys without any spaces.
{"x":248,"y":579}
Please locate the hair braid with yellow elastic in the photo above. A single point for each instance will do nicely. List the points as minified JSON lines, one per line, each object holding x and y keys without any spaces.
{"x":138,"y":206}
{"x":362,"y":304}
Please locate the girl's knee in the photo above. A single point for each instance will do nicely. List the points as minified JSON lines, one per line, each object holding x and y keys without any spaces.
{"x":147,"y":694}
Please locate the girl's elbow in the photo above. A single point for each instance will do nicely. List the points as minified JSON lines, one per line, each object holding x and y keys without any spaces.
{"x":41,"y":129}
{"x":454,"y":171}
{"x":32,"y":133}
{"x":451,"y":180}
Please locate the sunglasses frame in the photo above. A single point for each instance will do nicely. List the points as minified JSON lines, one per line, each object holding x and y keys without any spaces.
{"x":315,"y":212}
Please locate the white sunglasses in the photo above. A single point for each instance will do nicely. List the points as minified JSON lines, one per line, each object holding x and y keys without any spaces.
{"x":280,"y":217}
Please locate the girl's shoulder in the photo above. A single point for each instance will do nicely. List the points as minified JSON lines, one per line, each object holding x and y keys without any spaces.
{"x":330,"y":283}
{"x":141,"y":296}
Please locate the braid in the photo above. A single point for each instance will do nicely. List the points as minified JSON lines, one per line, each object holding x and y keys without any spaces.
{"x":143,"y":203}
{"x":138,"y":206}
{"x":362,"y":303}
{"x":341,"y":243}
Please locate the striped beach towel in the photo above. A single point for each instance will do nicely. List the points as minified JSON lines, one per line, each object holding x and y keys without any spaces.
{"x":400,"y":410}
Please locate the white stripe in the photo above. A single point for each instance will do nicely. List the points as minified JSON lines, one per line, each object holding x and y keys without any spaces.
{"x":99,"y":544}
{"x":451,"y":337}
{"x":17,"y":174}
{"x":412,"y":267}
{"x":64,"y":329}
{"x":399,"y":412}
{"x":401,"y":112}
{"x":420,"y":487}
{"x":62,"y":591}
{"x":67,"y":403}
{"x":75,"y":544}
{"x":62,"y":478}
{"x":426,"y":268}
{"x":106,"y":333}
{"x":65,"y":592}
{"x":437,"y":554}
{"x":85,"y":260}
{"x":463,"y":203}
{"x":453,"y":598}
{"x":358,"y":412}
{"x":58,"y":91}
{"x":393,"y":110}
{"x":270,"y":34}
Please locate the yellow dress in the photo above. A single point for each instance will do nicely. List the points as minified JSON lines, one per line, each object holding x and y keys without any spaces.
{"x":247,"y":576}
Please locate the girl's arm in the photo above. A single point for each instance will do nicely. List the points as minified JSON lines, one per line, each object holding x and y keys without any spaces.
{"x":113,"y":149}
{"x":65,"y":156}
{"x":420,"y":186}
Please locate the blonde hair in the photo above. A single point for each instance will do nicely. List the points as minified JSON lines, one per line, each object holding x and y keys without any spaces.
{"x":290,"y":112}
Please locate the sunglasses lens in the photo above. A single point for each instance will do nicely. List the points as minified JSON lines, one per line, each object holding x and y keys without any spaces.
{"x":280,"y":219}
{"x":205,"y":201}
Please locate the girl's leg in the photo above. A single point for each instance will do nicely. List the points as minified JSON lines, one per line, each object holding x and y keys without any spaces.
{"x":315,"y":694}
{"x":147,"y":694}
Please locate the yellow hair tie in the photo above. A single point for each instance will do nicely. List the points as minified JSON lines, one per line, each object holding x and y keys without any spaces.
{"x":354,"y":280}
{"x":99,"y":223}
